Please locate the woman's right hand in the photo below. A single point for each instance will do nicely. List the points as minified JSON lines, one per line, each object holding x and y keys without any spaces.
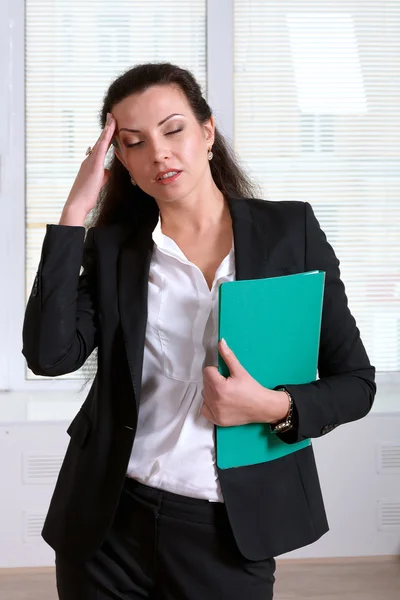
{"x":90,"y":179}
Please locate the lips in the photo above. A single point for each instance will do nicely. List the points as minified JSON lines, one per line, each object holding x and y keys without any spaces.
{"x":167,"y":177}
{"x":162,"y":174}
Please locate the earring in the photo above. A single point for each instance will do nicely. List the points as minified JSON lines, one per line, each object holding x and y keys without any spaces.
{"x":210,"y":155}
{"x":133,"y":182}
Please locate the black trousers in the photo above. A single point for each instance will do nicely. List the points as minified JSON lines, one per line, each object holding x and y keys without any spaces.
{"x":163,"y":546}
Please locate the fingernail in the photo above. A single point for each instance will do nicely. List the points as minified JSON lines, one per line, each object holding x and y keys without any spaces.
{"x":109,"y":116}
{"x":223,"y":343}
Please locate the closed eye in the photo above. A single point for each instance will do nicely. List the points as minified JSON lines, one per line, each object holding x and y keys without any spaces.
{"x":138,"y":143}
{"x":133,"y":145}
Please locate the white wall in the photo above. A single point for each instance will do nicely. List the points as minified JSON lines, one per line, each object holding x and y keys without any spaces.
{"x":359,"y":467}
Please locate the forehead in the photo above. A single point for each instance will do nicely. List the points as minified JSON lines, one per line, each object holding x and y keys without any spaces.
{"x":151,"y":106}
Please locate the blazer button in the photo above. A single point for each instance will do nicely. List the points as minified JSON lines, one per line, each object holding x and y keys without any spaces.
{"x":328,"y":428}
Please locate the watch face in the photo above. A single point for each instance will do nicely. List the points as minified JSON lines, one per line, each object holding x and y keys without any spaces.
{"x":283,"y":428}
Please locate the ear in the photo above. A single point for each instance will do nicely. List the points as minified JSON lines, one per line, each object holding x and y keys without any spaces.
{"x":209,"y":131}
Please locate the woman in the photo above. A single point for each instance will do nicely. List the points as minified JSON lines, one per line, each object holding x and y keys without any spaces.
{"x":140,"y":509}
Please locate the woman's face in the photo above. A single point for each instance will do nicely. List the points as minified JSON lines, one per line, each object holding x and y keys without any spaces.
{"x":161,"y":143}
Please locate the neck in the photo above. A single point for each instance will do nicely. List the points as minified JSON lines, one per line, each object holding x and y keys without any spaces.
{"x":195,"y":214}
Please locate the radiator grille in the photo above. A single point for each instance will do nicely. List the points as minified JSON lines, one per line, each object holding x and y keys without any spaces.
{"x":40,"y":469}
{"x":389,"y":515}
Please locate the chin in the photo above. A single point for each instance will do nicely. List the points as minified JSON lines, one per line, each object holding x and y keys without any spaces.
{"x":170,"y":196}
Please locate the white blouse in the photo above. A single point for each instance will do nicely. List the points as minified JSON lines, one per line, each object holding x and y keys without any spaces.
{"x":174,"y":448}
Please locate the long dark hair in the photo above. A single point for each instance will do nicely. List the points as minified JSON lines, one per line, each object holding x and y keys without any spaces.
{"x":119,"y":200}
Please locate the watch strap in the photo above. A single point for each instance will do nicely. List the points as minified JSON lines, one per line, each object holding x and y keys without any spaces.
{"x":287,"y":423}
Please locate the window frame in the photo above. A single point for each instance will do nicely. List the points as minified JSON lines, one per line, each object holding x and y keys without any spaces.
{"x":220,"y":77}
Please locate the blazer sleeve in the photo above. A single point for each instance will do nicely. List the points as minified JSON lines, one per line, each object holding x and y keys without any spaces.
{"x":346,"y":386}
{"x":60,"y":324}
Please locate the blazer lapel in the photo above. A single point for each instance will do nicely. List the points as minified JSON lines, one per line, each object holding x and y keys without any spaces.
{"x":133,"y":274}
{"x":261,"y":248}
{"x":250,"y":239}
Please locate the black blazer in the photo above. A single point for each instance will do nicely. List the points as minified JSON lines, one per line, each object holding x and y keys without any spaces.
{"x":273,"y":507}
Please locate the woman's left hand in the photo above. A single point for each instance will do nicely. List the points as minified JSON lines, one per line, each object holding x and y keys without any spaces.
{"x":239,"y":398}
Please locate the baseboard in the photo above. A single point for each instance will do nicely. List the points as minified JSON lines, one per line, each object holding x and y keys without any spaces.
{"x":27,"y":570}
{"x":391,"y":558}
{"x":281,"y":561}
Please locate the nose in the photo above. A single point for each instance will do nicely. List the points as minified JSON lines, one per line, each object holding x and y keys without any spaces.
{"x":159,"y":151}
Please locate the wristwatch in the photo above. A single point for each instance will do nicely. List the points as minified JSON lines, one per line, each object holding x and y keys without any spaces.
{"x":287,"y":423}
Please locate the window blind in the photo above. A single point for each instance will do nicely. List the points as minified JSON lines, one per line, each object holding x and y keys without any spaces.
{"x":317,"y":119}
{"x":73,"y":51}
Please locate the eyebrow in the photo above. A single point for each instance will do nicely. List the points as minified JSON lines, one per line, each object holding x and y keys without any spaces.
{"x":159,"y":124}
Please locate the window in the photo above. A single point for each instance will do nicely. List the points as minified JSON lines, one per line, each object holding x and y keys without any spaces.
{"x":307,"y":90}
{"x":317,"y":90}
{"x":74,"y":50}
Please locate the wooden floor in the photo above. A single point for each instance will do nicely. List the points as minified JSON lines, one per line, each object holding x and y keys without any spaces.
{"x":344,"y":579}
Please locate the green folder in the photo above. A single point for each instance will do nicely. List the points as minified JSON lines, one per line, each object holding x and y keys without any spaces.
{"x":273,"y":326}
